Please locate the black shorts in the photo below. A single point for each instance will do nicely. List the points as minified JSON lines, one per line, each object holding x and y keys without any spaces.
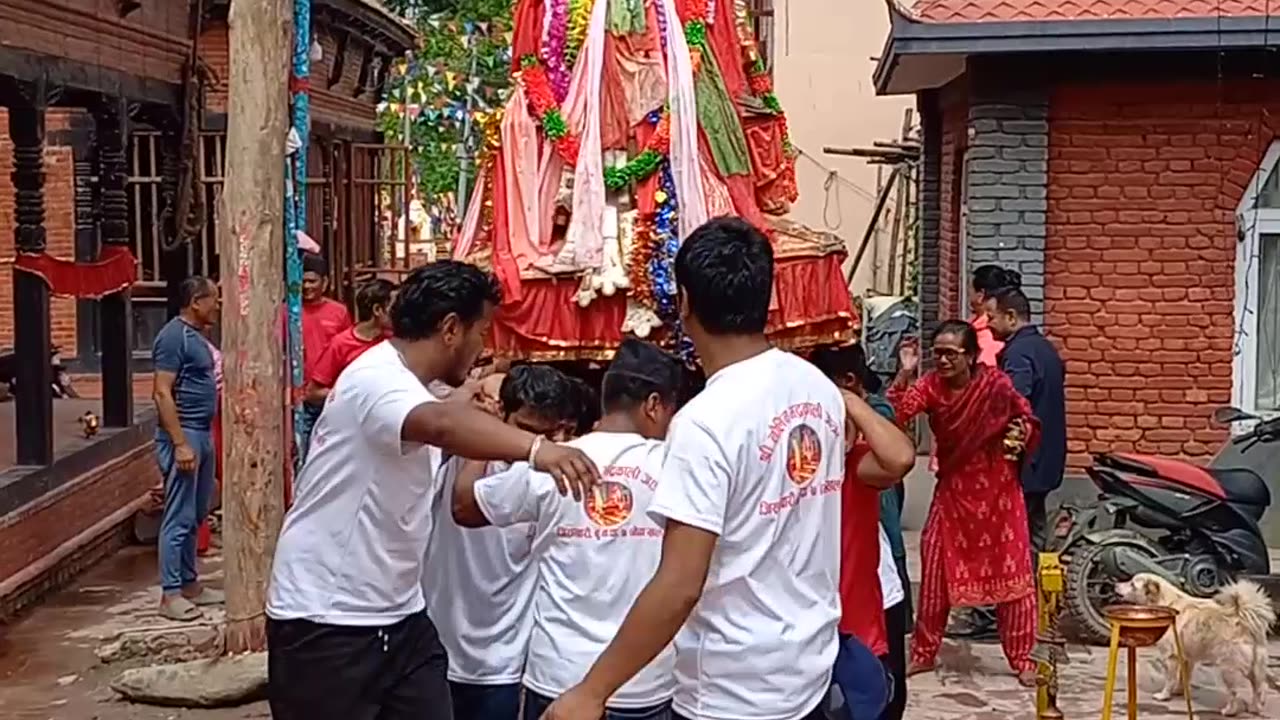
{"x":331,"y":672}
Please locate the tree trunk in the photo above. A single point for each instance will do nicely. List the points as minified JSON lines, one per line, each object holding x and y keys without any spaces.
{"x":251,"y":246}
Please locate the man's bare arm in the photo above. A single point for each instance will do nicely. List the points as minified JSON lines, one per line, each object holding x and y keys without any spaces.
{"x":458,"y":427}
{"x":466,"y":511}
{"x":166,"y":408}
{"x":892,"y":454}
{"x":658,"y":612}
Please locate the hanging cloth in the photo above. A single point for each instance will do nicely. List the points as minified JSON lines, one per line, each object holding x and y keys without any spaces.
{"x":686,"y":171}
{"x":719,"y":118}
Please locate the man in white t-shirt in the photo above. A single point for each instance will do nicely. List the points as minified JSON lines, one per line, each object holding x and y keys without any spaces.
{"x":594,"y":556}
{"x":749,"y":498}
{"x":479,"y":583}
{"x":347,"y":630}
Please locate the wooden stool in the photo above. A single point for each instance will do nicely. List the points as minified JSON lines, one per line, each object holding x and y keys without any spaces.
{"x":1136,"y":626}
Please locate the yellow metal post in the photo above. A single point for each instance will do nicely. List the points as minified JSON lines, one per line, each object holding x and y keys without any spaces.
{"x":1050,"y":644}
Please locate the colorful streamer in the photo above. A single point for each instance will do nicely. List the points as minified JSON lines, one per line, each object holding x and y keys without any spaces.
{"x":296,"y":218}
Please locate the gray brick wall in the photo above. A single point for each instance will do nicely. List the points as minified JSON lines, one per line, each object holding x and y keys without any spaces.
{"x":930,"y":209}
{"x":1007,"y":165}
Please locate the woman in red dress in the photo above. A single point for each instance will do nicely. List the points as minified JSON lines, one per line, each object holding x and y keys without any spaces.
{"x":975,"y":549}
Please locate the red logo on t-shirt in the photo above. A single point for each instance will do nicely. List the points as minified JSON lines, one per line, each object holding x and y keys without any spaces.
{"x":609,"y":504}
{"x":804,"y":454}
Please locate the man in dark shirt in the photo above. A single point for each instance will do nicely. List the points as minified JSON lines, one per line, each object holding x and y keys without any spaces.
{"x":186,"y":394}
{"x":1035,"y":367}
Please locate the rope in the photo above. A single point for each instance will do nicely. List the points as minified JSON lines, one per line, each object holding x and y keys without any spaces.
{"x":189,"y":211}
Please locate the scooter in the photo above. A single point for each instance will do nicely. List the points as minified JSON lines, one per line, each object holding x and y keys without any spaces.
{"x":1196,"y":527}
{"x":61,"y":385}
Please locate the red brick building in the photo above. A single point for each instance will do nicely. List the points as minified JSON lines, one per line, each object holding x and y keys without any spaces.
{"x":1121,"y":155}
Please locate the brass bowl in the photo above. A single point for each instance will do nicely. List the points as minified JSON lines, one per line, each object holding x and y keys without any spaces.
{"x":1141,"y":625}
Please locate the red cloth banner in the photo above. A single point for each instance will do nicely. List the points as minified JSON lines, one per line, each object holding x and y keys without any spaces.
{"x":114,"y":270}
{"x":813,"y":307}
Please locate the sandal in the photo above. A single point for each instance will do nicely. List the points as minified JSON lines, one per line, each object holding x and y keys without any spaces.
{"x":1028,"y":678}
{"x":176,"y":607}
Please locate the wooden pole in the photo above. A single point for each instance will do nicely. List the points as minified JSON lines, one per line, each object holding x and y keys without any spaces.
{"x":251,"y":245}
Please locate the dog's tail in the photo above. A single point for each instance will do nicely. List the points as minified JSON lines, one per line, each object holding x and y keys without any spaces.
{"x":1248,"y":601}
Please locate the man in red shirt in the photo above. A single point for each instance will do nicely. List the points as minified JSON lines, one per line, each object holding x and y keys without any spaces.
{"x":322,"y":319}
{"x":861,"y":595}
{"x":373,"y":309}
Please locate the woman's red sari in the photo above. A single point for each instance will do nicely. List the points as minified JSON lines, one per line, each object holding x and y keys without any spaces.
{"x":977,"y":511}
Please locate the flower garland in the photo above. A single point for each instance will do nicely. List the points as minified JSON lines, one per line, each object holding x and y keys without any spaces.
{"x":539,"y":79}
{"x":639,"y":263}
{"x":542,"y":104}
{"x":553,"y":54}
{"x":579,"y":19}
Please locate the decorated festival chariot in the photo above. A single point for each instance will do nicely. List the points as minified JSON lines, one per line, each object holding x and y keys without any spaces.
{"x":631,"y":122}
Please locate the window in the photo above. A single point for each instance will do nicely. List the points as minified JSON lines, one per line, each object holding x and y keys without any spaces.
{"x":1256,"y":368}
{"x":762,"y":26}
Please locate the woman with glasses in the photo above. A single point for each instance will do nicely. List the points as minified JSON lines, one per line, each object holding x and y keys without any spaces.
{"x":975,"y":549}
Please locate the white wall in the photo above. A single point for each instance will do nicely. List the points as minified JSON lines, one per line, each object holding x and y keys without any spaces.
{"x":823,"y":52}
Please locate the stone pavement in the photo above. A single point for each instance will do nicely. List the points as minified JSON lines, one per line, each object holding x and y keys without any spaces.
{"x":974,"y":683}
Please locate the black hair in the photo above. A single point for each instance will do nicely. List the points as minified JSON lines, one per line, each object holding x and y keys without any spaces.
{"x":371,"y":294}
{"x":194,"y":288}
{"x":586,"y":403}
{"x":639,"y":369}
{"x":968,"y":336}
{"x":1012,"y":299}
{"x":725,"y":269}
{"x":836,"y":361}
{"x":991,"y":279}
{"x":439,"y":289}
{"x":540,"y":388}
{"x":315,"y":262}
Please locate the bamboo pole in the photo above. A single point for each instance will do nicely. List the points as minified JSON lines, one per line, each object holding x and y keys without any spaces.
{"x":250,"y":237}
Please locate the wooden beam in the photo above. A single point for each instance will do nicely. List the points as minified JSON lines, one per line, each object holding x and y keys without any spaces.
{"x":32,"y":67}
{"x":115,"y":312}
{"x":31,"y":331}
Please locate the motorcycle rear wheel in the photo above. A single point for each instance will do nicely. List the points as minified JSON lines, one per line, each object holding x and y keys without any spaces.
{"x":1083,"y":568}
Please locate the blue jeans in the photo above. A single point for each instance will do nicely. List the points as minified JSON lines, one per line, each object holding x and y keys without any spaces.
{"x":485,"y":702}
{"x":186,"y":502}
{"x":535,"y":705}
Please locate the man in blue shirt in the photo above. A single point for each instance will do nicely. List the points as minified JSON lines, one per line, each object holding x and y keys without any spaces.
{"x":1035,"y":367}
{"x":186,"y":394}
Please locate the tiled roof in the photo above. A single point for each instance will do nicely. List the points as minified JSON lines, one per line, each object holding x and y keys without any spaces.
{"x":1008,"y":10}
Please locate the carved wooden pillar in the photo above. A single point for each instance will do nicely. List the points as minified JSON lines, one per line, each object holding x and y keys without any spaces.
{"x":30,"y":293}
{"x":115,"y":314}
{"x":84,"y":176}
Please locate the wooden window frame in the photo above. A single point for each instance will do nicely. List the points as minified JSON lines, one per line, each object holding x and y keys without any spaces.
{"x":762,"y":27}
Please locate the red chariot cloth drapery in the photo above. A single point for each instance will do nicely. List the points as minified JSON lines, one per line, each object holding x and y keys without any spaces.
{"x":113,"y":271}
{"x":546,"y":323}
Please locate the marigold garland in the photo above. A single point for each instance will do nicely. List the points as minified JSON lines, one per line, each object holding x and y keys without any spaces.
{"x":638,"y":265}
{"x":542,"y":105}
{"x":579,"y":19}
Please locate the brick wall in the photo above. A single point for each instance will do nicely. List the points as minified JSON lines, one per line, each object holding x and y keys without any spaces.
{"x":37,"y":529}
{"x":1143,"y":185}
{"x":954,"y":139}
{"x":59,"y":208}
{"x":1007,"y":176}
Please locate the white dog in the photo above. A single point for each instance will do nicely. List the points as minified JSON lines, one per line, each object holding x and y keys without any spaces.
{"x":1228,"y":631}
